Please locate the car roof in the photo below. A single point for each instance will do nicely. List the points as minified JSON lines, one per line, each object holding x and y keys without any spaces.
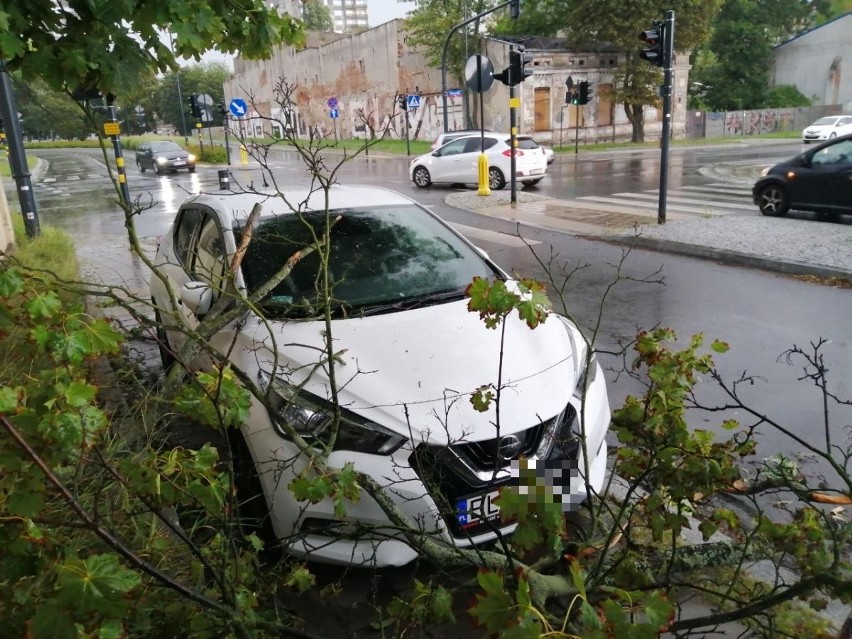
{"x":238,"y":206}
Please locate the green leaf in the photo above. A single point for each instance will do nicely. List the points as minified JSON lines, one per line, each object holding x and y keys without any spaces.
{"x":97,"y":584}
{"x":10,"y":399}
{"x":441,"y":605}
{"x":659,"y":611}
{"x":300,"y":579}
{"x":44,"y":306}
{"x":707,"y":528}
{"x":494,"y":610}
{"x":79,"y":394}
{"x":51,"y":622}
{"x":11,"y":283}
{"x":528,"y":628}
{"x":719,"y":346}
{"x":25,"y":502}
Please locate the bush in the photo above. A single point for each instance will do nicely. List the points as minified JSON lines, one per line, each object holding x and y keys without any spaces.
{"x":211,"y":155}
{"x":786,"y":95}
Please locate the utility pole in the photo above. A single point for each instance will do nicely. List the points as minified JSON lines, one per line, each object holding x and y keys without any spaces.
{"x":112,"y":129}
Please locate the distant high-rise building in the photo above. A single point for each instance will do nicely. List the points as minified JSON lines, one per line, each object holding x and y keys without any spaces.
{"x":348,"y":15}
{"x":293,"y":7}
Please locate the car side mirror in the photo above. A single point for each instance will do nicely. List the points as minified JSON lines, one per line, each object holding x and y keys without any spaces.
{"x":436,"y":154}
{"x":197,"y":297}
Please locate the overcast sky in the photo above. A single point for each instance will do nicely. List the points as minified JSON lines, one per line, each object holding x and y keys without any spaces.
{"x":380,"y":11}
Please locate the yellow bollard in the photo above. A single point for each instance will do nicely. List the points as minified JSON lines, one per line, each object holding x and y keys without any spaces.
{"x":483,"y":175}
{"x":243,"y":154}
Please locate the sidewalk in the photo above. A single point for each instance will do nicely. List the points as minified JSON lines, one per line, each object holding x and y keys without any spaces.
{"x":793,"y":246}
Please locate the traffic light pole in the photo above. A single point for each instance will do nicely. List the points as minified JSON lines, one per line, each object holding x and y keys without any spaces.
{"x":666,"y":89}
{"x":513,"y":132}
{"x":17,"y":156}
{"x":112,"y":112}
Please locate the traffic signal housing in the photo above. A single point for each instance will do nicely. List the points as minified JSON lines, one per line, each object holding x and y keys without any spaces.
{"x":572,"y":97}
{"x":514,"y":9}
{"x":654,"y":39}
{"x":518,"y":61}
{"x":223,"y":110}
{"x":193,"y":106}
{"x":403,"y":102}
{"x":584,"y":93}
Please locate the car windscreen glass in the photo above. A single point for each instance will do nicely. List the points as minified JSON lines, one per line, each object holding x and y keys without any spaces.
{"x":380,"y":256}
{"x":165,"y":147}
{"x":825,"y":122}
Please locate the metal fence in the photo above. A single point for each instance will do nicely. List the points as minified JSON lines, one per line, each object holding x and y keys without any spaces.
{"x":703,"y":124}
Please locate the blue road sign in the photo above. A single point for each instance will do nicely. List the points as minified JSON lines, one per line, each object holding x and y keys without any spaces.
{"x":454,"y":93}
{"x":333,"y":113}
{"x":238,"y":107}
{"x":332,"y":103}
{"x":413,"y":101}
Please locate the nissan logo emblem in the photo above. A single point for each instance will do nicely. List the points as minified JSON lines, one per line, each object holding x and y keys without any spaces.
{"x":509,"y":447}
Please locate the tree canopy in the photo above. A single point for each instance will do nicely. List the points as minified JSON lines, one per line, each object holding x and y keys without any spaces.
{"x":317,"y":16}
{"x":107,"y":44}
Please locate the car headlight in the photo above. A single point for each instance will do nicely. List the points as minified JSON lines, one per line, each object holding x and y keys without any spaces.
{"x":312,"y":418}
{"x":161,"y":160}
{"x":190,"y":158}
{"x":582,"y":361}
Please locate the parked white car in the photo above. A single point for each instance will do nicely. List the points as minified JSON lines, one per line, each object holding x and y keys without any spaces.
{"x":443,"y":138}
{"x":408,"y":354}
{"x":457,"y":162}
{"x":827,"y":128}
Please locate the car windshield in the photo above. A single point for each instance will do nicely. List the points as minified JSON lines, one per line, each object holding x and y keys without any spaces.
{"x":381,"y":259}
{"x":526,"y":143}
{"x":165,"y":147}
{"x":825,"y":122}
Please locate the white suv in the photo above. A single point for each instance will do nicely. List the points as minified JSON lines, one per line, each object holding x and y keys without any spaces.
{"x":408,"y":356}
{"x":457,"y":162}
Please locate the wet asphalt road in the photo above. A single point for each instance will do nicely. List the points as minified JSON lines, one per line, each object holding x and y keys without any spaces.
{"x":760,"y":314}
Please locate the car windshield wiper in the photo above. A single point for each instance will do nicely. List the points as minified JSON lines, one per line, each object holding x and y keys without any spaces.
{"x":408,"y":303}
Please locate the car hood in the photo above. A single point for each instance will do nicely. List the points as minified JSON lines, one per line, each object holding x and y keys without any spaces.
{"x":414,"y":371}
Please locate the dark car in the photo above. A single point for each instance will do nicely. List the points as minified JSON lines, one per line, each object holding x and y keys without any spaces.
{"x":163,"y":155}
{"x":818,"y":180}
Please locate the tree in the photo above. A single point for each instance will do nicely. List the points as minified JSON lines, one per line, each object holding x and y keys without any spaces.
{"x":736,"y":76}
{"x":207,"y":78}
{"x":47,"y":113}
{"x":107,"y":45}
{"x":317,"y":16}
{"x":431,"y":20}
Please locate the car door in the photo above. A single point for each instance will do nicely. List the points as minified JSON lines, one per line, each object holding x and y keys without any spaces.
{"x":201,"y":258}
{"x":450,"y":162}
{"x":141,"y":155}
{"x":826,"y":181}
{"x":844,"y":126}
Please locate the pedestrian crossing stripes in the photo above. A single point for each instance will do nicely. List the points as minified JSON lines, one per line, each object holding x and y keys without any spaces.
{"x":718,"y":198}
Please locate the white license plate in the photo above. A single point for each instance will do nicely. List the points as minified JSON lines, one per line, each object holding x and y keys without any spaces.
{"x":179,"y":162}
{"x":472,"y":511}
{"x":536,"y":171}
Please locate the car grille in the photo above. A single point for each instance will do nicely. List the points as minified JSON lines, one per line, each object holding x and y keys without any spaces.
{"x":454,"y":472}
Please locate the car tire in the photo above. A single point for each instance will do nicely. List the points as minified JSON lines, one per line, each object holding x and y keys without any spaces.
{"x":421,"y":177}
{"x":832,"y":135}
{"x":140,"y":167}
{"x":496,"y":181}
{"x":157,"y":169}
{"x":166,"y":356}
{"x":192,"y":169}
{"x":251,"y":504}
{"x":772,"y":200}
{"x":531,"y":182}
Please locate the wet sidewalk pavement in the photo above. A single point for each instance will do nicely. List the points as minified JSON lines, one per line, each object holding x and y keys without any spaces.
{"x":786,"y":245}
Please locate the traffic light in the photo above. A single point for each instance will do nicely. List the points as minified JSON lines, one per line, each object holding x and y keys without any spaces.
{"x":654,"y":39}
{"x":573,"y":98}
{"x":585,"y":92}
{"x":518,"y":61}
{"x":193,"y":106}
{"x":223,"y":110}
{"x":403,"y":102}
{"x":514,"y":8}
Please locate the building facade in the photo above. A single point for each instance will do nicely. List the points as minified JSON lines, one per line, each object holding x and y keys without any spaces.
{"x":346,"y":85}
{"x":814,"y":62}
{"x":349,"y":16}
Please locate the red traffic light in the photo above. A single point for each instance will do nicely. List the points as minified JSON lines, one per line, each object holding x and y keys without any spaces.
{"x":654,"y":41}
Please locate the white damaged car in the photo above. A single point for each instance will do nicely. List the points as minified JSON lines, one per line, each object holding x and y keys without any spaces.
{"x":409,"y":355}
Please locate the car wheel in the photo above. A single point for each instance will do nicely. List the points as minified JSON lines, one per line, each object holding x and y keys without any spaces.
{"x":192,"y":169}
{"x":832,"y":136}
{"x":157,"y":169}
{"x":251,"y":504}
{"x":496,"y":181}
{"x":772,"y":200}
{"x":531,"y":182}
{"x":166,"y":355}
{"x":421,"y":177}
{"x":140,"y":167}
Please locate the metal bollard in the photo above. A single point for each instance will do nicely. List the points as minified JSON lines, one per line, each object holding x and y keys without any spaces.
{"x":243,"y":154}
{"x":224,"y":179}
